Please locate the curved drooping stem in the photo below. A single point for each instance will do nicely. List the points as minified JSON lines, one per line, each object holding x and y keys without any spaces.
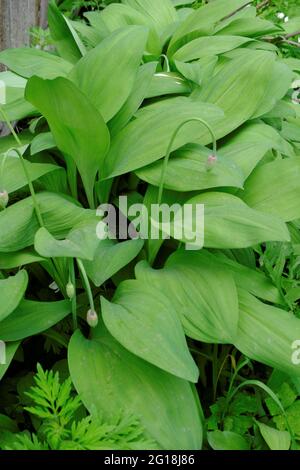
{"x":36,"y":207}
{"x":86,"y":284}
{"x":2,"y":167}
{"x":31,"y":188}
{"x":8,"y":123}
{"x":73,"y":298}
{"x":169,"y":150}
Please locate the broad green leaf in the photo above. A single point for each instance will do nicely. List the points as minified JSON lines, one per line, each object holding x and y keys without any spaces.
{"x":227,"y":440}
{"x":250,"y":27}
{"x":294,"y":64}
{"x":110,"y":257}
{"x":28,"y":61}
{"x":251,"y":280}
{"x":198,"y":71}
{"x":18,"y":109}
{"x":254,"y":281}
{"x":251,"y":142}
{"x":254,"y":46}
{"x":168,"y":83}
{"x":12,"y":94}
{"x":282,"y":110}
{"x":12,"y":86}
{"x":276,"y":440}
{"x":20,"y":258}
{"x":8,"y":142}
{"x":161,"y":12}
{"x":153,"y":245}
{"x":266,"y":333}
{"x":208,"y":46}
{"x":205,"y":298}
{"x":275,"y":188}
{"x":12,"y":291}
{"x":290,"y":131}
{"x":18,"y":223}
{"x":118,"y":57}
{"x":276,"y":89}
{"x":254,"y":74}
{"x":90,"y":36}
{"x":81,"y":242}
{"x":143,"y":320}
{"x":95,"y":20}
{"x":77,"y":127}
{"x":135,"y":99}
{"x":10,"y":351}
{"x":55,"y":181}
{"x":12,"y":176}
{"x":202,"y":22}
{"x":230,"y":223}
{"x":187,"y":171}
{"x":116,"y":16}
{"x":147,"y":392}
{"x":41,"y":142}
{"x":64,"y":37}
{"x":31,"y":318}
{"x":146,"y":139}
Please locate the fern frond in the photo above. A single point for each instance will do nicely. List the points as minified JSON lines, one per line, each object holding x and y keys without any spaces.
{"x":52,"y":399}
{"x":55,"y":404}
{"x":24,"y":441}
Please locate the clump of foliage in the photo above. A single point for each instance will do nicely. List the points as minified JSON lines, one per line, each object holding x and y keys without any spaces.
{"x":58,"y":428}
{"x":161,"y":102}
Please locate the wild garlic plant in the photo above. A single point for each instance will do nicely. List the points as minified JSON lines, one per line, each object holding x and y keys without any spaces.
{"x":168,"y":106}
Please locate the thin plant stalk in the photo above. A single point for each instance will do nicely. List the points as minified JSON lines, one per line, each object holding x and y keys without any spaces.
{"x":86,"y":284}
{"x":29,"y":181}
{"x":31,"y":188}
{"x":74,"y":299}
{"x":169,"y":150}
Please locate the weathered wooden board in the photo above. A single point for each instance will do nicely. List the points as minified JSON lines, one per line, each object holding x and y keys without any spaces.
{"x":16,"y":17}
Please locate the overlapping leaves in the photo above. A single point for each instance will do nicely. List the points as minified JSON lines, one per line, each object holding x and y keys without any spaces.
{"x":107,"y":103}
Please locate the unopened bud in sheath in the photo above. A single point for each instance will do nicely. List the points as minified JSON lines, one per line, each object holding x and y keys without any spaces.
{"x":92,"y":318}
{"x":3,"y":199}
{"x":70,"y":289}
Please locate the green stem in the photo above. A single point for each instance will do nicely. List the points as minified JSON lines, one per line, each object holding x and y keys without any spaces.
{"x":169,"y":150}
{"x":74,"y":299}
{"x":2,"y":168}
{"x":86,"y":283}
{"x":7,"y":121}
{"x":31,"y":188}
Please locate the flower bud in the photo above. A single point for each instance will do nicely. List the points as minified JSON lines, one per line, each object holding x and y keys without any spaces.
{"x":70,"y":289}
{"x":92,"y":318}
{"x":3,"y":199}
{"x":211,"y":161}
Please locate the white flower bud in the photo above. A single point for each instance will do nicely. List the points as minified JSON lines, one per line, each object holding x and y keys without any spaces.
{"x":70,"y":289}
{"x":92,"y":318}
{"x":211,"y":162}
{"x":3,"y":199}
